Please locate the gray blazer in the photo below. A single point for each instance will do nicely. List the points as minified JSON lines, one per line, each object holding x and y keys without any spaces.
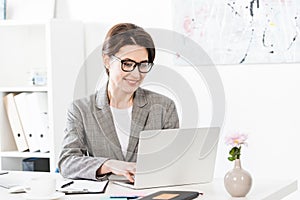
{"x":90,"y":135}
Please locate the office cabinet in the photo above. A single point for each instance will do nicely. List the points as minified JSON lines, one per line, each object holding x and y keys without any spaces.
{"x":56,"y":49}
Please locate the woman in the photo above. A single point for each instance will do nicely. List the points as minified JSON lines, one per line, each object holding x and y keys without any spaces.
{"x":102,"y":131}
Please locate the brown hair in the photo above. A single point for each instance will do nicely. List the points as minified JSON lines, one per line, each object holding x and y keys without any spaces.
{"x":127,"y":34}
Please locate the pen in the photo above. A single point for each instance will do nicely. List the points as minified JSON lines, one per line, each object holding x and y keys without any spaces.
{"x":125,"y":196}
{"x":2,"y":173}
{"x":67,"y":184}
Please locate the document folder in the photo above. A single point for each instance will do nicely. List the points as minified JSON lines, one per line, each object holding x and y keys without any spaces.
{"x":37,"y":102}
{"x":15,"y":122}
{"x":28,"y":126}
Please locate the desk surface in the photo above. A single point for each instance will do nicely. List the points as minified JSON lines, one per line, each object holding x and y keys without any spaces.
{"x":261,"y":189}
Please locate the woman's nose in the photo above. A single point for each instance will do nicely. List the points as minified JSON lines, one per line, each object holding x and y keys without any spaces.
{"x":136,"y":72}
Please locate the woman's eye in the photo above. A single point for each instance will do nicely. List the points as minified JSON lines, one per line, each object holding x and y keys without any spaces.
{"x":144,"y":65}
{"x":128,"y":64}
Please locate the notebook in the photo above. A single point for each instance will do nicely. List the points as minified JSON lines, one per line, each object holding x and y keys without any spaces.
{"x":173,"y":157}
{"x":174,"y":195}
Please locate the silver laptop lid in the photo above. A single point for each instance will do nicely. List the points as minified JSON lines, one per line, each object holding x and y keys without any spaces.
{"x":176,"y":157}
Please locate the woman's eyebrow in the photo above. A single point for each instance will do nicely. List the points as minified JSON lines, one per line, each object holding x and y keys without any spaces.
{"x":128,"y":59}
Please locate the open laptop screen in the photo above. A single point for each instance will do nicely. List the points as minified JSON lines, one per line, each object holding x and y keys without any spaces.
{"x":175,"y":157}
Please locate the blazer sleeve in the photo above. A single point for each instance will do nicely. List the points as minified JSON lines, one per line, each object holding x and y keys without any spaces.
{"x":171,"y":120}
{"x":74,"y":161}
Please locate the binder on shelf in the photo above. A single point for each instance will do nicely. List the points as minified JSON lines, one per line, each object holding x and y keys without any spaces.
{"x":15,"y":122}
{"x":37,"y":103}
{"x":28,"y":126}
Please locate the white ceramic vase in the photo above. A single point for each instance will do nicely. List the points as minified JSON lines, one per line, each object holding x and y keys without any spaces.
{"x":238,"y":181}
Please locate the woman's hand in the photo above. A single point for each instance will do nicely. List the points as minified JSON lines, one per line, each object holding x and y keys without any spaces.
{"x":118,"y":167}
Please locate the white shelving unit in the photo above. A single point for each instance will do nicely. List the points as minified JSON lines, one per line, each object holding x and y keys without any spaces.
{"x":57,"y":46}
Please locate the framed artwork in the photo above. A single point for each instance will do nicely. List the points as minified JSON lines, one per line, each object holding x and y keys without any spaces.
{"x":237,"y":32}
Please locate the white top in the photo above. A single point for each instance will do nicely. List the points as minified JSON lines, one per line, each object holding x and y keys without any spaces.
{"x":122,"y":121}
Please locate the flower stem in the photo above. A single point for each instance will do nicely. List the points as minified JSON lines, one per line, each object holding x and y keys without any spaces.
{"x":238,"y":153}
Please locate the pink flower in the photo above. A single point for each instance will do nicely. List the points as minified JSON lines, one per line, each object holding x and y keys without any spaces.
{"x":236,"y":139}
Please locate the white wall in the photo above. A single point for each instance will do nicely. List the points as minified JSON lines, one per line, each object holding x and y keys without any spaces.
{"x":154,"y":13}
{"x":261,"y":100}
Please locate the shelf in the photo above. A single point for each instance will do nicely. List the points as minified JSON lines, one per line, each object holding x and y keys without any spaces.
{"x":11,"y":22}
{"x":24,"y":89}
{"x":17,"y":154}
{"x":26,"y":46}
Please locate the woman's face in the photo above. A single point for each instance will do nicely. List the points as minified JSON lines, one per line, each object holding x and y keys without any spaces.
{"x":127,"y":82}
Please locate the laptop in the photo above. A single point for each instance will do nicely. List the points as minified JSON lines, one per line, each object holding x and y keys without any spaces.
{"x":173,"y":157}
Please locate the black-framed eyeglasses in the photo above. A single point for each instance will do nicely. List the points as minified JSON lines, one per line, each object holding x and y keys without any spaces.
{"x":129,"y":65}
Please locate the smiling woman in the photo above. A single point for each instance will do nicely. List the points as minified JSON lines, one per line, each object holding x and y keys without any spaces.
{"x":123,"y":76}
{"x":102,"y":131}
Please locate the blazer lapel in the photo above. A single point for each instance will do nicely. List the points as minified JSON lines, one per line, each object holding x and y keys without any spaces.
{"x":140,"y":114}
{"x":105,"y":121}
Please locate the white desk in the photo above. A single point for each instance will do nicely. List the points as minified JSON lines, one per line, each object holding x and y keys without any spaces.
{"x":261,"y":189}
